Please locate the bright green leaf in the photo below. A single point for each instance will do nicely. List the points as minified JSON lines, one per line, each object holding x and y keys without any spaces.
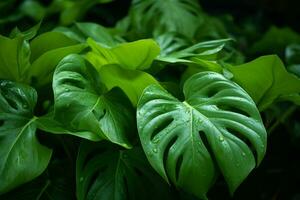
{"x":132,"y":82}
{"x":266,"y":80}
{"x":14,"y":59}
{"x":49,"y":41}
{"x":42,"y":68}
{"x":133,"y":55}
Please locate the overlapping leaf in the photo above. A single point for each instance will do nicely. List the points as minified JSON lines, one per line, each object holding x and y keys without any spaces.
{"x":266,"y":80}
{"x":85,"y":108}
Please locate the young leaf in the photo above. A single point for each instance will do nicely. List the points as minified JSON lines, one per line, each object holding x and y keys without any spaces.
{"x":22,"y":157}
{"x":108,"y":173}
{"x":133,"y":55}
{"x":41,"y":44}
{"x":82,"y":105}
{"x":266,"y":80}
{"x":132,"y":82}
{"x":217,"y":124}
{"x":14,"y":59}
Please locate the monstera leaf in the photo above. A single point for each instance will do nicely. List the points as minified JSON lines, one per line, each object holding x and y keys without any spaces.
{"x":85,"y":108}
{"x":217,"y":127}
{"x":107,"y":172}
{"x":22,"y":157}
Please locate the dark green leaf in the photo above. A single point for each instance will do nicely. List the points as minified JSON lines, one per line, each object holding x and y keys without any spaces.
{"x":108,"y":173}
{"x":85,"y":108}
{"x":217,"y":126}
{"x":22,"y":157}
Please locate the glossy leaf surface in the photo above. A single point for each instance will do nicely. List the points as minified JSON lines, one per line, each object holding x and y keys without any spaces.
{"x":217,"y":126}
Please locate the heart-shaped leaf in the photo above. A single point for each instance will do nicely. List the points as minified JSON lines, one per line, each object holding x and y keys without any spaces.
{"x":217,"y":127}
{"x":107,"y":172}
{"x":85,"y":108}
{"x":22,"y":157}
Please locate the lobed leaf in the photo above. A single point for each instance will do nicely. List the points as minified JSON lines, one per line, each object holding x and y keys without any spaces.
{"x":216,"y":127}
{"x":22,"y":157}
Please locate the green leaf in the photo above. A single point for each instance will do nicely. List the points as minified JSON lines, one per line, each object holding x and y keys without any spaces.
{"x":14,"y":59}
{"x":49,"y":41}
{"x":275,"y":40}
{"x":28,"y":34}
{"x":202,"y":50}
{"x":85,"y":108}
{"x":108,"y":173}
{"x":133,"y":55}
{"x":266,"y":80}
{"x":42,"y":68}
{"x":98,"y":33}
{"x":132,"y":82}
{"x":22,"y":157}
{"x":216,"y":127}
{"x":146,"y":16}
{"x":33,"y":9}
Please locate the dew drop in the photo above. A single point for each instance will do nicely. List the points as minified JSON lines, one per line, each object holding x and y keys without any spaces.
{"x":149,"y":154}
{"x":155,"y":140}
{"x":2,"y":84}
{"x":81,"y":179}
{"x":154,"y":150}
{"x":243,"y":154}
{"x":221,"y":139}
{"x":67,"y":90}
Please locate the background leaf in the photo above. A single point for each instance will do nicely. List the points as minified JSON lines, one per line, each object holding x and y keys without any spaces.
{"x":266,"y":80}
{"x":107,"y":172}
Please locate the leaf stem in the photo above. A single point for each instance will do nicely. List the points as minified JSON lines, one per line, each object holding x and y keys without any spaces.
{"x":282,"y":118}
{"x":43,"y":190}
